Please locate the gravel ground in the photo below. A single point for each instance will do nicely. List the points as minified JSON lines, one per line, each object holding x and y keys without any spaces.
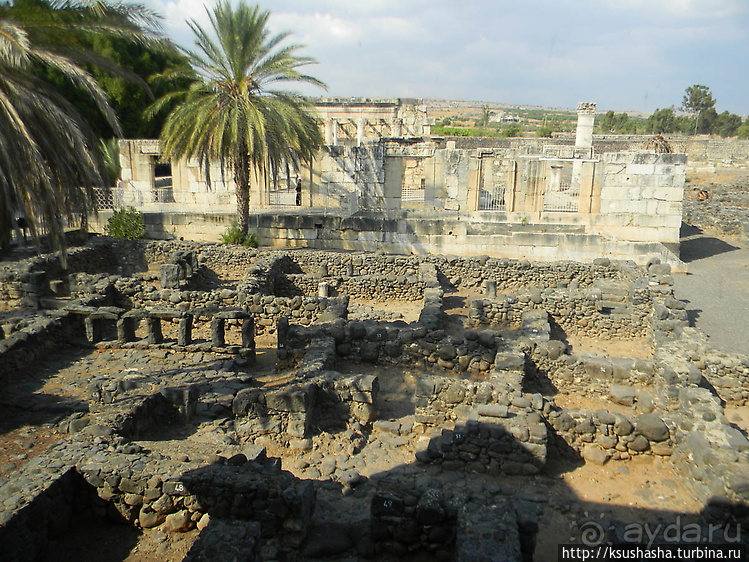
{"x":717,"y":288}
{"x":716,"y":248}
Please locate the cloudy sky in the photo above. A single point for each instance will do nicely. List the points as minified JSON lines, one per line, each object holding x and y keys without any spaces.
{"x":626,"y":55}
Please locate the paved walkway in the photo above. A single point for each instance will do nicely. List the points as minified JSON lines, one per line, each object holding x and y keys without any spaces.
{"x":717,"y":289}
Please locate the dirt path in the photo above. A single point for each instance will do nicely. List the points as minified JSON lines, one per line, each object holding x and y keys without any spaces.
{"x":717,"y":289}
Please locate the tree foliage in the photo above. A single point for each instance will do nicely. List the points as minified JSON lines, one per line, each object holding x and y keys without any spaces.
{"x":144,"y":73}
{"x":234,"y":114}
{"x":698,"y":98}
{"x":49,"y":157}
{"x":486,"y":114}
{"x":727,"y":124}
{"x":617,"y":123}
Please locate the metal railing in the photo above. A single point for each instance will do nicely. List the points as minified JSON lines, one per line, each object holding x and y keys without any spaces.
{"x":563,"y":200}
{"x":103,"y":198}
{"x":413,"y":194}
{"x":106,"y":198}
{"x":283,"y":198}
{"x":492,"y":199}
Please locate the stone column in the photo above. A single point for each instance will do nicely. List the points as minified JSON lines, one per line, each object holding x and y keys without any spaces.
{"x":218,"y":330}
{"x":335,"y":132}
{"x":126,"y":328}
{"x":248,"y":333}
{"x":324,"y":269}
{"x":282,"y":332}
{"x":94,"y":328}
{"x":360,"y":131}
{"x":491,"y":288}
{"x":184,"y":332}
{"x":476,"y":309}
{"x":322,"y":289}
{"x":397,"y":128}
{"x":329,"y":132}
{"x":154,"y":330}
{"x":586,"y":115}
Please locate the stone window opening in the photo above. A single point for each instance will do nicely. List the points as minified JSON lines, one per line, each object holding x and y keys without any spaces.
{"x":162,"y":182}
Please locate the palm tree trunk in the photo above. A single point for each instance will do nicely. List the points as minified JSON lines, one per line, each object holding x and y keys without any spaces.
{"x":242,"y":181}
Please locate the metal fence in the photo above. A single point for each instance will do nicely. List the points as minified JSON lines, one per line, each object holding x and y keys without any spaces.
{"x":413,"y":193}
{"x":283,"y":198}
{"x":492,"y":199}
{"x":562,"y":200}
{"x":106,"y":198}
{"x":103,"y":198}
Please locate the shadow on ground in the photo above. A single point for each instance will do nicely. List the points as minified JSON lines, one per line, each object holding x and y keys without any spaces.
{"x":703,"y":247}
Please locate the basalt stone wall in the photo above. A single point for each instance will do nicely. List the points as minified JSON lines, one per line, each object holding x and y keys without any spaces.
{"x":409,"y":522}
{"x":591,"y":312}
{"x":31,"y":339}
{"x":493,"y":425}
{"x":261,"y":277}
{"x":602,"y":435}
{"x":28,"y":523}
{"x":340,"y":264}
{"x":319,"y":399}
{"x":549,"y":363}
{"x":328,"y":401}
{"x":416,"y":345}
{"x":140,"y":292}
{"x":23,"y":283}
{"x":225,"y":261}
{"x":229,"y":540}
{"x":520,"y":274}
{"x":469,"y":272}
{"x":150,"y":492}
{"x":729,"y":376}
{"x":98,"y":469}
{"x":381,"y":288}
{"x":711,"y":453}
{"x":268,"y":309}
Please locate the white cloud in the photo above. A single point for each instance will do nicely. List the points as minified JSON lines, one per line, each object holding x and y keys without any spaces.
{"x":537,"y":51}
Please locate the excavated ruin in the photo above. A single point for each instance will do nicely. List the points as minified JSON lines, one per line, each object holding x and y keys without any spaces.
{"x":222,"y":403}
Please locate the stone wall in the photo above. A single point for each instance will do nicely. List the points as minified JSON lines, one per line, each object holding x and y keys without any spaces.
{"x":607,"y":310}
{"x":28,"y":339}
{"x":602,"y":435}
{"x":491,"y":426}
{"x":367,"y":287}
{"x":641,"y":196}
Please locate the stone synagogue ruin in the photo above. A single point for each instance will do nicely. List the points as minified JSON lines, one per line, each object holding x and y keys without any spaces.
{"x":383,"y":183}
{"x":441,"y":351}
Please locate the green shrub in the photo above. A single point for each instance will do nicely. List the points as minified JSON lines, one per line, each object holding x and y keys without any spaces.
{"x":251,"y":241}
{"x":234,"y":235}
{"x":126,"y":223}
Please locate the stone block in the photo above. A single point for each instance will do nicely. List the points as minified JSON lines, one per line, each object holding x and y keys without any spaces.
{"x":595,"y":454}
{"x":598,"y":368}
{"x":289,"y":400}
{"x":652,"y":427}
{"x":624,"y":395}
{"x":169,"y":274}
{"x":513,"y":361}
{"x":492,"y":411}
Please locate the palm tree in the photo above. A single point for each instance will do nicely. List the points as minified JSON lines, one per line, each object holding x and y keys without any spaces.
{"x":50,"y":161}
{"x":233,"y":114}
